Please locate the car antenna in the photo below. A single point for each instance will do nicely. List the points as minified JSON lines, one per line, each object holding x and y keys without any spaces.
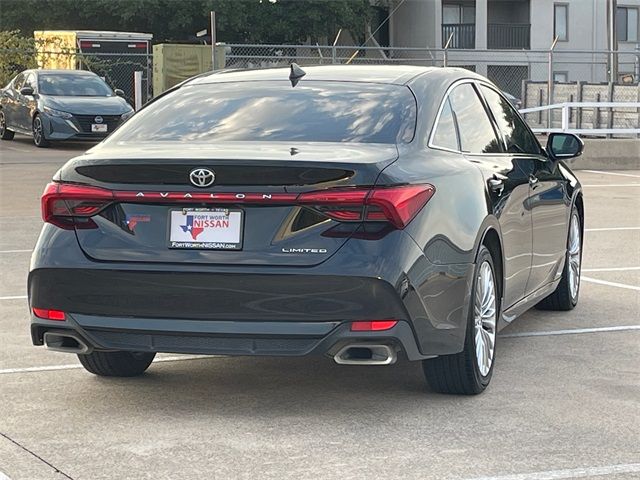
{"x":296,"y":74}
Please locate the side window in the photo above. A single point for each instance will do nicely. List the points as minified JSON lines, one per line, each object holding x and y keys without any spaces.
{"x":518,"y":137}
{"x":445,"y":135}
{"x":17,"y":83}
{"x":30,"y":81}
{"x":476,"y":132}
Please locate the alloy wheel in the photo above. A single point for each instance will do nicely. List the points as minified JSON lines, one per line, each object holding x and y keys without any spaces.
{"x":3,"y":124}
{"x":575,"y":257}
{"x":485,"y":316}
{"x":37,"y":131}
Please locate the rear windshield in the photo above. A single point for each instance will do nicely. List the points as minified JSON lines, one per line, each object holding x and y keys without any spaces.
{"x":274,"y":111}
{"x":61,"y":84}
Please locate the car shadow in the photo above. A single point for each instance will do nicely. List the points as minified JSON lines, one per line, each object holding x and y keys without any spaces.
{"x":70,"y":145}
{"x":273,"y":386}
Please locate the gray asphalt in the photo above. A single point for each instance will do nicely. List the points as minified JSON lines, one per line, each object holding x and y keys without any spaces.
{"x":559,"y":406}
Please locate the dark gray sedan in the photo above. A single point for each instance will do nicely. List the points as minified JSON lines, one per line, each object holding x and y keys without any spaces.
{"x":359,"y":212}
{"x":60,"y":105}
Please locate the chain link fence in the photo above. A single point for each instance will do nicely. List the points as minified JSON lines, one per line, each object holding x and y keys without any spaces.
{"x":509,"y":69}
{"x":531,"y":77}
{"x":118,"y":71}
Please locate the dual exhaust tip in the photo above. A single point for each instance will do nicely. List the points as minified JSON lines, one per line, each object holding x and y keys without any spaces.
{"x":365,"y":354}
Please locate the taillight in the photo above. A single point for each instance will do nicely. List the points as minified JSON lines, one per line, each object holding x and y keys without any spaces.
{"x":61,"y":202}
{"x":396,"y":205}
{"x":68,"y":205}
{"x":399,"y":205}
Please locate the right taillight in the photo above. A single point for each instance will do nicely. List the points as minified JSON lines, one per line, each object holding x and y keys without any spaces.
{"x":399,"y":205}
{"x":61,"y":202}
{"x":396,"y":205}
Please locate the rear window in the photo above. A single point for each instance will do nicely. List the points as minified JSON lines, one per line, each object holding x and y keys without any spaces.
{"x":61,"y":84}
{"x":274,"y":111}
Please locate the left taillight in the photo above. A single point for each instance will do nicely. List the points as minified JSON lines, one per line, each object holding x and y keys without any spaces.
{"x":49,"y":314}
{"x":396,"y":205}
{"x":61,"y":202}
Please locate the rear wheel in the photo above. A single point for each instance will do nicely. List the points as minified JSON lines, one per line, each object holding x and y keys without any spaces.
{"x":38,"y":133}
{"x":565,"y":296}
{"x":4,"y":133}
{"x":469,"y":372}
{"x":116,"y":364}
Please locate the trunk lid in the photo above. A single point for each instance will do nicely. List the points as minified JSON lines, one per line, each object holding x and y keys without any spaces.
{"x":156,"y":177}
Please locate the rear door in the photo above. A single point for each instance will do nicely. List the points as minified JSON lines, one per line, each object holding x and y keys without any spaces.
{"x":507,"y":181}
{"x":547,"y":200}
{"x":12,"y":97}
{"x":26,"y":105}
{"x":159,"y":211}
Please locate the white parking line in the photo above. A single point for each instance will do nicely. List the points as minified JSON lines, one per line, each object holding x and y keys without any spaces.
{"x":3,"y":476}
{"x":16,"y":251}
{"x":613,"y":269}
{"x":613,"y":173}
{"x":610,"y":229}
{"x":15,"y":149}
{"x":14,"y":297}
{"x":571,"y":473}
{"x":609,"y":284}
{"x":572,"y":331}
{"x":75,"y":366}
{"x":614,"y":185}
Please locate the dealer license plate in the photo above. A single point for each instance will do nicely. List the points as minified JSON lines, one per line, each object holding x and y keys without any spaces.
{"x":206,"y":228}
{"x":98,"y":127}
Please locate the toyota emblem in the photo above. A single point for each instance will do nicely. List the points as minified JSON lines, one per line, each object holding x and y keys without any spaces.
{"x":98,"y":119}
{"x":202,"y":177}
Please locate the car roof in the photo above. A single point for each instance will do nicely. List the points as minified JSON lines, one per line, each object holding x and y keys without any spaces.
{"x":388,"y":74}
{"x":61,"y":71}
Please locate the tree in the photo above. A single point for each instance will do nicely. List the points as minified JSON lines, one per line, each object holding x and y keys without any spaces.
{"x":238,"y":21}
{"x":18,"y":53}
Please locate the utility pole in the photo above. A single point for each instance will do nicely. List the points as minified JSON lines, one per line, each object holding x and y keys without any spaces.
{"x":612,"y":35}
{"x":550,"y":81}
{"x":213,"y":41}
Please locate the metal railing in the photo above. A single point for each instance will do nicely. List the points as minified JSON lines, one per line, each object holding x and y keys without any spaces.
{"x":463,"y":35}
{"x":515,"y":36}
{"x":571,"y":123}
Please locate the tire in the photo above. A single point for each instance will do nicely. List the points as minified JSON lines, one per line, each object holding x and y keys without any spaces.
{"x":4,"y":133}
{"x":117,"y":364}
{"x":463,"y":373}
{"x":565,"y":296}
{"x":38,"y":133}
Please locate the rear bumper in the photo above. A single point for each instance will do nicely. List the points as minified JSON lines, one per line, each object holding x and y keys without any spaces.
{"x":223,"y":338}
{"x":204,"y":296}
{"x":182,"y":307}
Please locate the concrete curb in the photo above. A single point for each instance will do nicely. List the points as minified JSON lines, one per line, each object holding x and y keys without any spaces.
{"x":608,"y":154}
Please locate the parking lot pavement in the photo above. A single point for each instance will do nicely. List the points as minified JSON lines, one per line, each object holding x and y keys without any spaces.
{"x":561,"y":404}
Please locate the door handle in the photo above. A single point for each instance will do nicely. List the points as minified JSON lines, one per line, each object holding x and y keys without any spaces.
{"x":496,"y":183}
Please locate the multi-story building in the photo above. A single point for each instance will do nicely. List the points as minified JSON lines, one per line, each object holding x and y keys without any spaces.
{"x":508,"y":40}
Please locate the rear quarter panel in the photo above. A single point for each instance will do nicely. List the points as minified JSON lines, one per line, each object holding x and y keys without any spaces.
{"x":447,"y":230}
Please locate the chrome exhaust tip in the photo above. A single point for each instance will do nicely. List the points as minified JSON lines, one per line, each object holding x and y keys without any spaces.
{"x":66,"y":342}
{"x":365,"y":354}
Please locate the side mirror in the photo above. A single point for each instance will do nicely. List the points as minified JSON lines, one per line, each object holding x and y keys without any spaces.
{"x":564,"y":145}
{"x":119,"y":92}
{"x":26,"y":91}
